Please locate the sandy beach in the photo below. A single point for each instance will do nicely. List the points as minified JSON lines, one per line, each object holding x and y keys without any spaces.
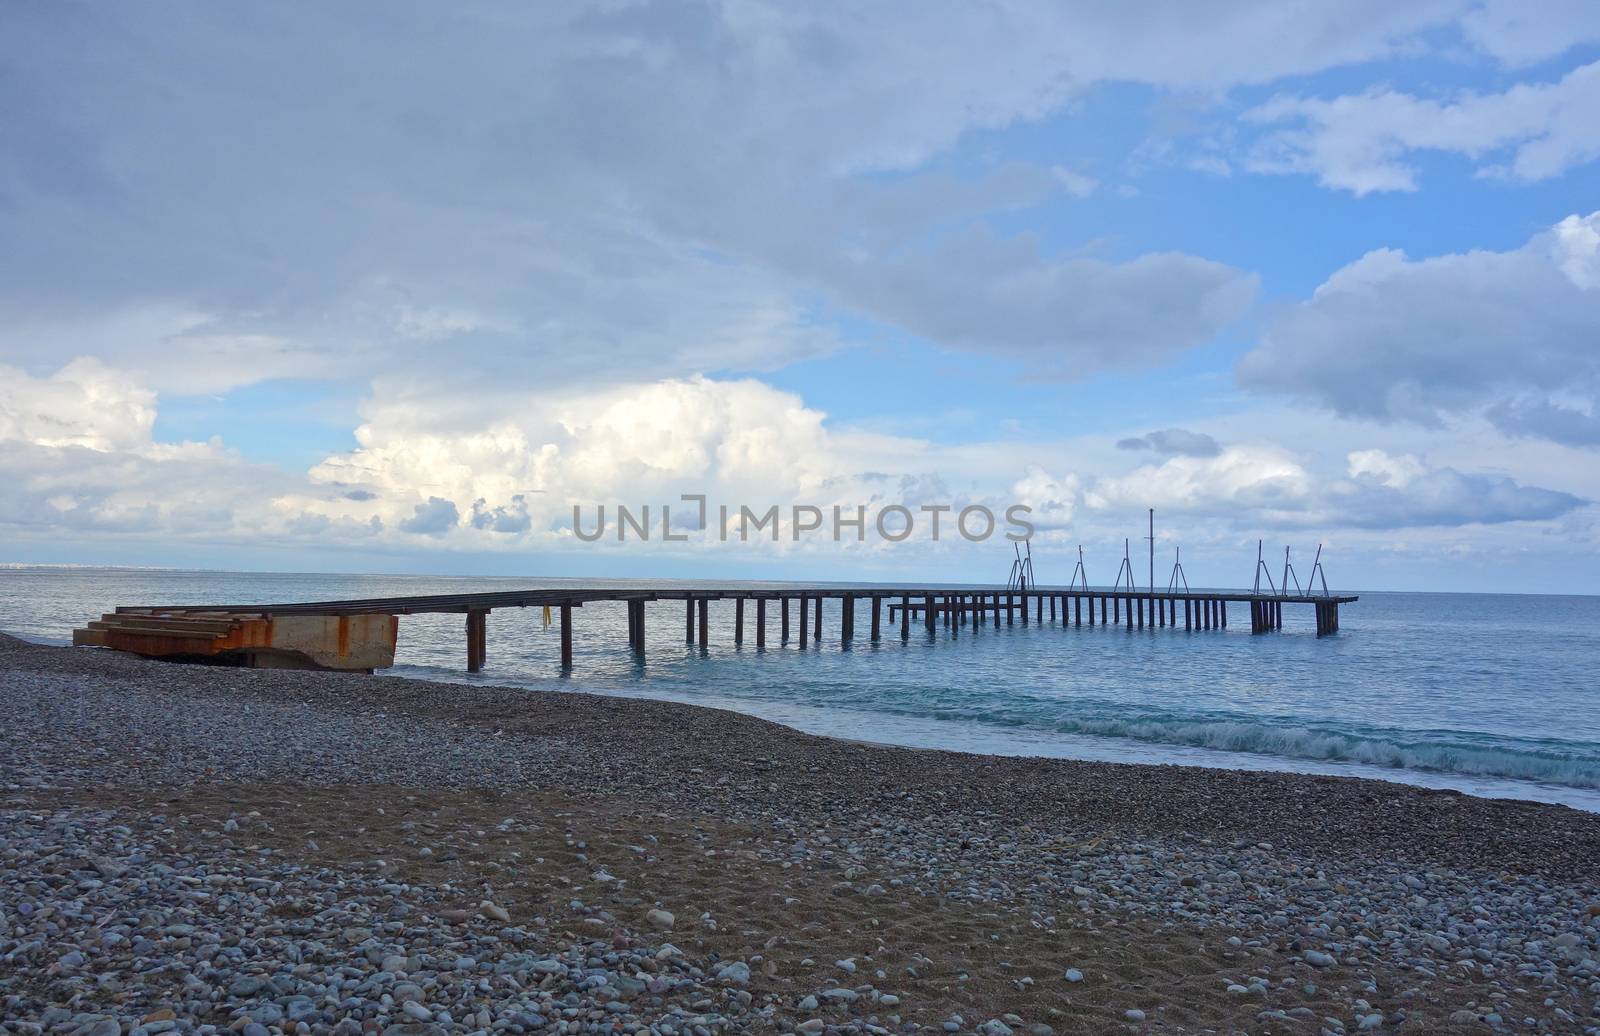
{"x":198,"y":849}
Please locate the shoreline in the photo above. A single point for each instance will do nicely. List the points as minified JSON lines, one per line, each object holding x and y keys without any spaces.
{"x":952,"y":884}
{"x":1113,"y":749}
{"x":1467,"y":757}
{"x":1437,"y":820}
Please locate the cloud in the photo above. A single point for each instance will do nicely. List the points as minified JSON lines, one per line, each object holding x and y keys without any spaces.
{"x":510,"y":518}
{"x":558,"y":246}
{"x":508,"y":480}
{"x":1391,"y":492}
{"x":1053,"y":499}
{"x":85,"y":403}
{"x":1519,"y":33}
{"x":1074,"y":183}
{"x":1508,"y":335}
{"x":1362,"y":142}
{"x":1066,"y":317}
{"x":680,"y":188}
{"x":1272,"y":486}
{"x":434,"y":517}
{"x":77,"y":456}
{"x":1239,"y":477}
{"x":1173,"y":440}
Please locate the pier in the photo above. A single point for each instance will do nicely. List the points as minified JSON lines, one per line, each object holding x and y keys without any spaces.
{"x":362,"y":633}
{"x":760,"y":616}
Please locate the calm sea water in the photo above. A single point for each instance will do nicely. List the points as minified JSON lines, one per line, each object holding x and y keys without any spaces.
{"x":1490,"y":694}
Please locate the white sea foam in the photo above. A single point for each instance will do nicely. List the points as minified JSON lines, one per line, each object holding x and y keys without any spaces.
{"x":1437,"y":752}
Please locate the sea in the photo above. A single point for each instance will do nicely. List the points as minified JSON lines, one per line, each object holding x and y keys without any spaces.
{"x":1490,"y":694}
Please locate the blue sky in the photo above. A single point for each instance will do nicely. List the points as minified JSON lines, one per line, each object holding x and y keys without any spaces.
{"x":395,"y":287}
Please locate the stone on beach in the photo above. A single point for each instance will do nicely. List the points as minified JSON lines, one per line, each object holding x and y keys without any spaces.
{"x":1104,"y":865}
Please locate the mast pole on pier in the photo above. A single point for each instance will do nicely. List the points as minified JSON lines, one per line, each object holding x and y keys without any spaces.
{"x":1152,"y":538}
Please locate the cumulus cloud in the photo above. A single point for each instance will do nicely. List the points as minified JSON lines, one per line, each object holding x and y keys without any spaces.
{"x":509,"y":482}
{"x":1362,"y":142}
{"x":1510,"y":335}
{"x":1173,"y":440}
{"x":1254,"y":477}
{"x":1377,"y":490}
{"x":531,"y":232}
{"x":77,"y":455}
{"x":1389,"y":492}
{"x":433,"y":517}
{"x":85,"y":403}
{"x":509,"y":518}
{"x":1053,"y":499}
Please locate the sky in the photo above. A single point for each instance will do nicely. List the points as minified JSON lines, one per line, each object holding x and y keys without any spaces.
{"x":394,"y":287}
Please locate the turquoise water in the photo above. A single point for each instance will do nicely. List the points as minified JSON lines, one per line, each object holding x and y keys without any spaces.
{"x":1490,"y":694}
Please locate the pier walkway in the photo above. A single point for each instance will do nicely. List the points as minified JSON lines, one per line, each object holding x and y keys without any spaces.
{"x":799,"y":611}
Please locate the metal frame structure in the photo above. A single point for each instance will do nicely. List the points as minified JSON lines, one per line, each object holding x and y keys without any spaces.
{"x":1078,"y":572}
{"x":1289,"y":573}
{"x":1177,"y":572}
{"x":1261,"y":569}
{"x":1126,"y":569}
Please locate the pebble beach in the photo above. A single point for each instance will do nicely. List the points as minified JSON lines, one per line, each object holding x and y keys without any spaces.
{"x":206,"y":850}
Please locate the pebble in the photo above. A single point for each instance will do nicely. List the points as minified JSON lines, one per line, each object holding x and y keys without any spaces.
{"x":266,"y":980}
{"x":736,"y":973}
{"x":1502,"y":930}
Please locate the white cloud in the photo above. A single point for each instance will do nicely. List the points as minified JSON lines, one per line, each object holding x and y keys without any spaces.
{"x":1392,"y":492}
{"x":1073,"y":182}
{"x":1272,"y":487}
{"x":85,"y":403}
{"x":1053,"y":499}
{"x":559,"y":192}
{"x":529,"y":231}
{"x":509,"y":483}
{"x":1509,"y":335}
{"x":1390,"y":470}
{"x":1517,"y":32}
{"x":1257,"y":477}
{"x":1362,"y":142}
{"x":76,"y":454}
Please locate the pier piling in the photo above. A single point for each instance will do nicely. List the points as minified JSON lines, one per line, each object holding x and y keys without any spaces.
{"x":477,"y":639}
{"x":1134,"y":608}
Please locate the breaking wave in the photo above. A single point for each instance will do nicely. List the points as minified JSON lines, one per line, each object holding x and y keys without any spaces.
{"x":1551,"y":762}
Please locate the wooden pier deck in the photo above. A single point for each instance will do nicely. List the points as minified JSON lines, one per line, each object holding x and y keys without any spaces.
{"x":931,"y":608}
